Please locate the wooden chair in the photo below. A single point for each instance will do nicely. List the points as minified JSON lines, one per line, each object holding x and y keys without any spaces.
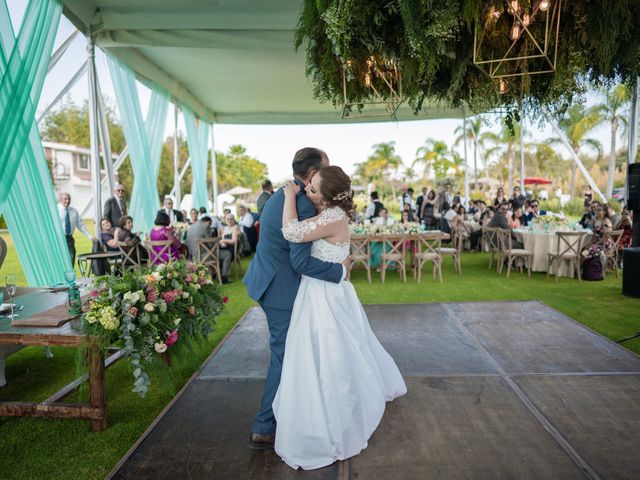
{"x":3,"y":251}
{"x":510,"y":254}
{"x":429,"y":248}
{"x":612,"y":253}
{"x":457,"y":240}
{"x":208,"y":253}
{"x":130,"y":259}
{"x":491,"y":243}
{"x":568,"y":248}
{"x":360,"y":252}
{"x":237,"y":251}
{"x":155,"y":256}
{"x":395,"y":253}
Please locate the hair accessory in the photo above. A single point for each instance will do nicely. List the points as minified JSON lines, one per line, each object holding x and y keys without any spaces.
{"x":342,"y":195}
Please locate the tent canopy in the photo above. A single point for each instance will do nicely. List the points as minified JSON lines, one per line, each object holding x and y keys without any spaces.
{"x":230,"y":61}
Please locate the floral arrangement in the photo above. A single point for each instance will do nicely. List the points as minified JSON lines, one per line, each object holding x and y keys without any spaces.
{"x":553,"y":220}
{"x":393,"y":229}
{"x":150,"y":311}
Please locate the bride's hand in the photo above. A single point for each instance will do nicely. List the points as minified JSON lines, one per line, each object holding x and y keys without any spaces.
{"x":291,"y":188}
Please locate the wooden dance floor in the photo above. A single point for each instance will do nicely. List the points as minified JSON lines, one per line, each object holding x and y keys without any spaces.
{"x":496,"y":390}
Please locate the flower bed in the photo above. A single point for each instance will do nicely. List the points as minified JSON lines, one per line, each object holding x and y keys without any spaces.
{"x":149,"y":311}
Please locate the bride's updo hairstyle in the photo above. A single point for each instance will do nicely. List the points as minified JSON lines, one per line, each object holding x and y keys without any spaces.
{"x":335,"y":188}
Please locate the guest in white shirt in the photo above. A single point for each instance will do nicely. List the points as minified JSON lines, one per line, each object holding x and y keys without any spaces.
{"x":384,"y":218}
{"x":245,"y":217}
{"x":70,"y":221}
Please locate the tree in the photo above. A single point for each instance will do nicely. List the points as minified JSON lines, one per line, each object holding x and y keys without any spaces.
{"x":435,"y":154}
{"x":506,"y":145}
{"x":478,"y":138}
{"x":613,"y":110}
{"x":380,"y":165}
{"x":577,"y":123}
{"x":237,"y":168}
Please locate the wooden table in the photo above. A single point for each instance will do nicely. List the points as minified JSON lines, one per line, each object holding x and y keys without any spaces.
{"x":36,"y":301}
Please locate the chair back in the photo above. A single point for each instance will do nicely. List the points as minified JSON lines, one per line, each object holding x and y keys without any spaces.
{"x":360,"y":248}
{"x":3,"y":250}
{"x":615,"y":236}
{"x":504,"y":239}
{"x":457,"y":239}
{"x":569,"y":244}
{"x":393,"y":246}
{"x":130,"y":256}
{"x":157,"y":250}
{"x":238,"y":247}
{"x":208,"y":251}
{"x":491,"y":238}
{"x":429,"y":243}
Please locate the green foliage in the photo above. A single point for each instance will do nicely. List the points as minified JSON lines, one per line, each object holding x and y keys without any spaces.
{"x":432,"y":43}
{"x":573,"y":208}
{"x":237,"y":168}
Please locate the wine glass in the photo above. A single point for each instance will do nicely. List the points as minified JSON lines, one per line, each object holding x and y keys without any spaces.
{"x":70,"y":277}
{"x":10,"y":281}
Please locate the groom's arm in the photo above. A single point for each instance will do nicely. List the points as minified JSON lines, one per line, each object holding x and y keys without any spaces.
{"x":300,"y":253}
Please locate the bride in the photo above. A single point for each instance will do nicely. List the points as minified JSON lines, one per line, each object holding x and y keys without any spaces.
{"x":336,"y":377}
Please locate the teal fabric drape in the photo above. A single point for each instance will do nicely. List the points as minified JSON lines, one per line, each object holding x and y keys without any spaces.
{"x":144,"y":140}
{"x":198,"y":140}
{"x":27,"y":200}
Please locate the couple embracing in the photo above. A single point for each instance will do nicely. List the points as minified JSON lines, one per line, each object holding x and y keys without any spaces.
{"x":329,"y":378}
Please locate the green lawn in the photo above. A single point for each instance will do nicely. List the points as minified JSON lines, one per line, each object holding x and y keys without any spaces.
{"x":60,"y":449}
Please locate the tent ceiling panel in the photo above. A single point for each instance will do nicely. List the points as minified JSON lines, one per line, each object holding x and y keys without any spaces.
{"x":231,"y":61}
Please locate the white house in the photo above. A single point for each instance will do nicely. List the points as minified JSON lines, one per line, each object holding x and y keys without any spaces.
{"x":71,"y":173}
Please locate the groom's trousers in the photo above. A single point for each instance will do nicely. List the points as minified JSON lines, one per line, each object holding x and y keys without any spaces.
{"x":278,"y":321}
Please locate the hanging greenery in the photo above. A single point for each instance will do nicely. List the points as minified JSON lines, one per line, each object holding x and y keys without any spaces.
{"x":432,"y":43}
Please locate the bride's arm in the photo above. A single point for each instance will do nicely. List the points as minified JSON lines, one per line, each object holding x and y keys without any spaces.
{"x":326,"y":224}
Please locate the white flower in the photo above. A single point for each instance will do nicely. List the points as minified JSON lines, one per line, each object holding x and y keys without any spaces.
{"x":149,"y":307}
{"x":161,"y":267}
{"x":132,"y":297}
{"x":160,"y":347}
{"x":185,"y":294}
{"x":177,"y":321}
{"x":197,"y":286}
{"x":162,"y":307}
{"x":157,"y":276}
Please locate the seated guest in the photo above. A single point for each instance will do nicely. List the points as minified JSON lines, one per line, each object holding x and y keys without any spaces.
{"x":517,"y":220}
{"x":458,"y":223}
{"x":384,"y":218}
{"x":246,"y":222}
{"x":163,"y":231}
{"x":125,"y":235}
{"x":231,"y":235}
{"x":449,"y":212}
{"x":626,"y":226}
{"x":173,"y":214}
{"x":202,"y":212}
{"x":500,"y":220}
{"x":193,"y":216}
{"x":535,"y":211}
{"x":196,"y":231}
{"x":107,"y":235}
{"x":407,"y":209}
{"x":613,"y":216}
{"x":476,"y":235}
{"x":586,"y":221}
{"x":593,"y":262}
{"x":481,"y":208}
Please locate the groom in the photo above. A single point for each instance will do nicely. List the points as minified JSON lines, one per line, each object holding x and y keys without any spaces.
{"x":273,"y":279}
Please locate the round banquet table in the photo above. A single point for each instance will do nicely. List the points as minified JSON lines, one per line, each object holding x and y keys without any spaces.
{"x":541,"y":243}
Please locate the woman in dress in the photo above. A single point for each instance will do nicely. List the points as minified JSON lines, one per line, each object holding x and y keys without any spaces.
{"x":376,"y":247}
{"x":500,"y":198}
{"x":428,"y":211}
{"x":193,"y":216}
{"x":593,"y":254}
{"x":163,"y":231}
{"x":125,"y":235}
{"x":517,"y":220}
{"x":336,"y":377}
{"x":107,"y":235}
{"x":458,"y":223}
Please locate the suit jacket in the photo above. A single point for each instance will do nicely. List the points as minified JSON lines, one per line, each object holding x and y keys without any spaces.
{"x":112,"y":211}
{"x":194,"y":233}
{"x":441,"y":199}
{"x":262,"y":199}
{"x":176,"y":213}
{"x":274,"y":273}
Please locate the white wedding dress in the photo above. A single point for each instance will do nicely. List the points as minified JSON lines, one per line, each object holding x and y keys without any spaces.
{"x":336,"y":377}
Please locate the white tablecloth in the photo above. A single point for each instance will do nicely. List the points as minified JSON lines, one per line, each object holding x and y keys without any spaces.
{"x":541,"y":244}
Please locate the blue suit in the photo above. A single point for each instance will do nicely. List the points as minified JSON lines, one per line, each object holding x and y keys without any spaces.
{"x":273,"y":279}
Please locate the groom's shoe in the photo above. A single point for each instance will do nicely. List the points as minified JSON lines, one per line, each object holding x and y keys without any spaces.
{"x":262,"y":442}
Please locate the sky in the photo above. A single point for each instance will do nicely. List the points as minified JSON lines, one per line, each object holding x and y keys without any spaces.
{"x":275,"y":145}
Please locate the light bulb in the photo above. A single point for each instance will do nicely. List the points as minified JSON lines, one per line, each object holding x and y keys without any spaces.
{"x":526,"y":19}
{"x":515,"y":31}
{"x":504,"y":86}
{"x":367,"y":79}
{"x":544,"y":5}
{"x":514,"y":6}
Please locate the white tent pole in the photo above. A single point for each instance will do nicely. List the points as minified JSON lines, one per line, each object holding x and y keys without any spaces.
{"x":182,"y":173}
{"x":634,"y":117}
{"x":574,"y":156}
{"x":93,"y":133}
{"x":214,"y":174}
{"x":521,"y":153}
{"x":57,"y":55}
{"x":176,"y":166}
{"x":64,"y":91}
{"x":116,"y":165}
{"x":105,"y":138}
{"x":466,"y":160}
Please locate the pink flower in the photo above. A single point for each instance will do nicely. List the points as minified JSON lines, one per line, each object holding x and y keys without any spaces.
{"x":201,"y":281}
{"x":225,"y":299}
{"x":133,"y":311}
{"x":171,"y":338}
{"x":151,"y":294}
{"x":94,"y":293}
{"x":191,"y":267}
{"x":170,"y":296}
{"x":188,"y":278}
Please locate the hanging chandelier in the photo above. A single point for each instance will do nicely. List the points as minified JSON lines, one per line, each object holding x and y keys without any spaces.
{"x":379,"y":83}
{"x":515,"y":38}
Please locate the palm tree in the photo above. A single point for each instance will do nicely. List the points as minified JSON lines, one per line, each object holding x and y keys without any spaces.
{"x":475,"y":135}
{"x":380,"y":164}
{"x":614,"y":110}
{"x":576,"y":124}
{"x":436,"y":154}
{"x":505,"y":146}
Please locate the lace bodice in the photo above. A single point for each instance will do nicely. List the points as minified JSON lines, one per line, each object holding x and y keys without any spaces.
{"x":329,"y":252}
